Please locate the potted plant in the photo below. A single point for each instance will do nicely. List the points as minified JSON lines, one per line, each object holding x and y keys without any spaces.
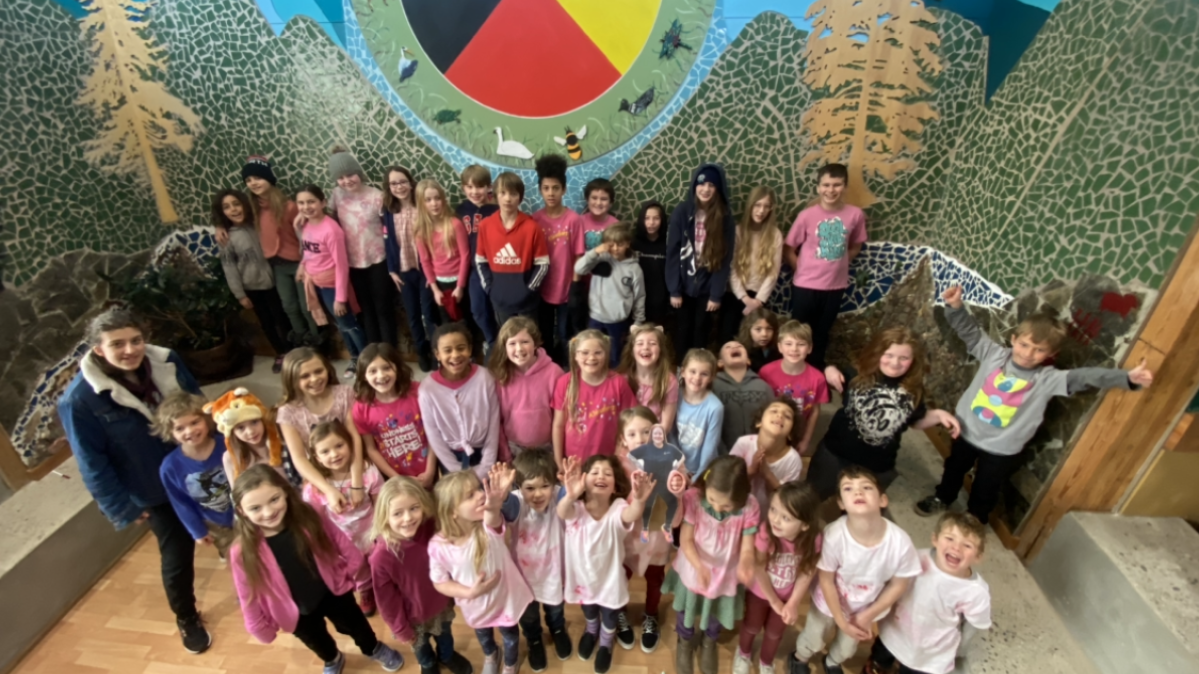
{"x":190,"y":309}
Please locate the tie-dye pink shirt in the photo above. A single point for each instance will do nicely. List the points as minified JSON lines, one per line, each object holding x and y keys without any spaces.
{"x":595,"y":557}
{"x":503,"y":606}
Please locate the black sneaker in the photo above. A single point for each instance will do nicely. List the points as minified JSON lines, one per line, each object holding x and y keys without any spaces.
{"x":196,"y":639}
{"x":586,"y":645}
{"x":649,"y":634}
{"x":794,"y":666}
{"x":624,"y":631}
{"x":459,"y":665}
{"x":833,"y":669}
{"x":562,"y":645}
{"x":603,"y":660}
{"x":536,"y":655}
{"x":930,"y":506}
{"x":425,"y":359}
{"x":429,"y":670}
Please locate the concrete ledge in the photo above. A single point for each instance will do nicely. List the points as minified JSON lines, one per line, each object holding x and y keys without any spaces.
{"x":1127,"y":588}
{"x":56,"y":545}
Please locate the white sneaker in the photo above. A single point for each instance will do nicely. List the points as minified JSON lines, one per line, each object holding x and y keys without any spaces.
{"x":740,"y":663}
{"x":491,"y":663}
{"x":764,"y":668}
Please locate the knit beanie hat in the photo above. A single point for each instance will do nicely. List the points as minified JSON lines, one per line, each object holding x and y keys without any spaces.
{"x":342,"y":163}
{"x":709,"y":174}
{"x":259,"y":167}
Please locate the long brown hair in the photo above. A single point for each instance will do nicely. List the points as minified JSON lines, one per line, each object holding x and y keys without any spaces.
{"x":663,"y":371}
{"x":449,"y":493}
{"x":363,"y":391}
{"x":292,"y":362}
{"x":801,"y":501}
{"x":306,"y":524}
{"x":219,"y":219}
{"x":744,"y":266}
{"x":712,"y":256}
{"x":727,"y":475}
{"x":391,"y":203}
{"x":502,"y":369}
{"x":868,"y":359}
{"x":576,"y":374}
{"x":745,"y":334}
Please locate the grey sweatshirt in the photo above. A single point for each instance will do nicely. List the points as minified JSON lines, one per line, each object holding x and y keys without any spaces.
{"x":742,"y":400}
{"x":618,"y":296}
{"x":1004,"y":404}
{"x":245,"y":266}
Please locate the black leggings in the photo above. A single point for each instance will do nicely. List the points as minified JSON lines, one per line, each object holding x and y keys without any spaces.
{"x":819,"y":309}
{"x":992,"y":473}
{"x":347,"y":618}
{"x":275,"y":324}
{"x":376,"y":294}
{"x":694,"y":327}
{"x":178,"y":551}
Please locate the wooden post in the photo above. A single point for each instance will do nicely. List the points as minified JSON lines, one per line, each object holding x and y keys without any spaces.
{"x":1127,"y":426}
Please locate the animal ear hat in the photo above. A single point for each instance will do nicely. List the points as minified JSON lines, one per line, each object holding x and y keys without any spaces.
{"x":239,"y":406}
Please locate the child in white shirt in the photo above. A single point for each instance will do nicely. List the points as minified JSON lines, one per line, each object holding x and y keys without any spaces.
{"x":925,"y":631}
{"x":867,"y":562}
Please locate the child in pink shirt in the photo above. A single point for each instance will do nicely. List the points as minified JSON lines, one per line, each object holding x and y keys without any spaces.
{"x":411,"y":607}
{"x":716,"y":554}
{"x":459,"y":406}
{"x":326,"y":270}
{"x":444,"y":247}
{"x":769,"y":455}
{"x":303,"y":571}
{"x":597,"y":521}
{"x":791,"y":376}
{"x":469,"y":562}
{"x":588,"y":400}
{"x":387,"y":415}
{"x":651,"y":373}
{"x":563,"y":229}
{"x":825,"y":238}
{"x":786,"y":547}
{"x":524,"y":383}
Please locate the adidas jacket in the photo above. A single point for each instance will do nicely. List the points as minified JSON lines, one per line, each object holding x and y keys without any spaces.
{"x":512,"y":263}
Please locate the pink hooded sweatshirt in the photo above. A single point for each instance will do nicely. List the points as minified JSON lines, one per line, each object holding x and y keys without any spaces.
{"x":525,"y":403}
{"x":271,"y":608}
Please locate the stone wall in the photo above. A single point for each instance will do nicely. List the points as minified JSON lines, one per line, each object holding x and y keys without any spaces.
{"x":1102,"y":318}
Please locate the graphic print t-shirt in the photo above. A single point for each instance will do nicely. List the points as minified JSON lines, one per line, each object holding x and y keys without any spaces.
{"x":597,"y":414}
{"x":398,"y":431}
{"x":867,"y":429}
{"x":822,"y":239}
{"x":808,"y":388}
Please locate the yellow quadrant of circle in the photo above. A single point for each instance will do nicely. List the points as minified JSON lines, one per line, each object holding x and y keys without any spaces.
{"x":619,"y":28}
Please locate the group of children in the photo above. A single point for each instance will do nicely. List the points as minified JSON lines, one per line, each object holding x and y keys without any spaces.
{"x":511,"y":487}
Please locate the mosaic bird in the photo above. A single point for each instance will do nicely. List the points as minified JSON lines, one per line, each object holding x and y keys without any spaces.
{"x":408,"y":64}
{"x":511,"y":148}
{"x":638,"y":106}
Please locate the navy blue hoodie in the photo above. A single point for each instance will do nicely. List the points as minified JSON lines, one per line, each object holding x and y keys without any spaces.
{"x":685,"y":275}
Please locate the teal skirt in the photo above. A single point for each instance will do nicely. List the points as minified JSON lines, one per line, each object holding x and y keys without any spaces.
{"x":698,"y":611}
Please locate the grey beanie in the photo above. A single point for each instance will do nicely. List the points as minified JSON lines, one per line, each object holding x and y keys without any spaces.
{"x":342,"y":163}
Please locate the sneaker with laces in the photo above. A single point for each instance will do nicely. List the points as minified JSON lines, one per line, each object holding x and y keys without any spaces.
{"x":491,"y":663}
{"x":603,"y":660}
{"x":196,"y":638}
{"x":741,"y":663}
{"x":562,"y":645}
{"x":649,"y":634}
{"x":930,"y":506}
{"x":624,"y":631}
{"x":832,"y":669}
{"x":537,"y":660}
{"x":587,"y":645}
{"x":387,"y":657}
{"x":336,"y":665}
{"x":764,"y":668}
{"x":459,"y":665}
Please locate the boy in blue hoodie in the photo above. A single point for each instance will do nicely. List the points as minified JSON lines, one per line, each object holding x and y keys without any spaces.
{"x":699,"y":254}
{"x":476,"y":183}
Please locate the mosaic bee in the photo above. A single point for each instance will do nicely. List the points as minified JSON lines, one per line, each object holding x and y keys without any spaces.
{"x":571,"y":142}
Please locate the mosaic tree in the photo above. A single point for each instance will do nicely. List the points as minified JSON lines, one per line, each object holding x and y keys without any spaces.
{"x":869,"y":63}
{"x":137,"y":114}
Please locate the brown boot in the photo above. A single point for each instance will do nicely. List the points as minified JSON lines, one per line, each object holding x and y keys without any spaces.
{"x":684,"y":656}
{"x":707,"y":655}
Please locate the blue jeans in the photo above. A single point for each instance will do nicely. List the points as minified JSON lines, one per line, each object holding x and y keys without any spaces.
{"x":480,"y":307}
{"x":348,"y":325}
{"x":418,"y":304}
{"x":511,"y":637}
{"x":617,"y":333}
{"x":445,"y":647}
{"x":530,"y":622}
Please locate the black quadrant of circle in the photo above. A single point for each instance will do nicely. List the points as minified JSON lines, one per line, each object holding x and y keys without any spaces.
{"x":445,"y":27}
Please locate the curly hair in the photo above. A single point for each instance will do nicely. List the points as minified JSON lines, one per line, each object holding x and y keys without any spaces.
{"x":868,"y":361}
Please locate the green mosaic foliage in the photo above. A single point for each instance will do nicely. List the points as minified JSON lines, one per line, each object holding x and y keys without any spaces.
{"x":290,"y":97}
{"x":1086,"y":160}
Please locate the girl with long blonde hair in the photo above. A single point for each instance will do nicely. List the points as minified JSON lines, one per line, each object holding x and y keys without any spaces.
{"x":757,"y":259}
{"x":588,"y":400}
{"x":444,"y":248}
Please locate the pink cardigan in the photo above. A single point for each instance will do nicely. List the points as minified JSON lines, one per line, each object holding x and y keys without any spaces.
{"x":271,"y":609}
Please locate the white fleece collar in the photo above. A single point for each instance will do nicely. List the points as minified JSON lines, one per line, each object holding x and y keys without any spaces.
{"x":162,"y":373}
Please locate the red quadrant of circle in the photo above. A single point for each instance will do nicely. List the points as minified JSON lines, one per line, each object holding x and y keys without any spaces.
{"x":530,"y":59}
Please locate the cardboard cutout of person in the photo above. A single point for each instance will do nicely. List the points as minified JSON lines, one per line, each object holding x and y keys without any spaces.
{"x":659,"y":459}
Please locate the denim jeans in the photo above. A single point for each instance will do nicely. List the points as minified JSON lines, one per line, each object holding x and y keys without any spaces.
{"x":530,"y":622}
{"x":480,"y":307}
{"x":418,"y":305}
{"x":348,"y":325}
{"x":511,"y":637}
{"x":606,"y":616}
{"x":424,"y":650}
{"x":617,"y":334}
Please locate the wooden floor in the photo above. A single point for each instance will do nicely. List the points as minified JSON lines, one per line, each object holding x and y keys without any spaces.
{"x":123,"y":625}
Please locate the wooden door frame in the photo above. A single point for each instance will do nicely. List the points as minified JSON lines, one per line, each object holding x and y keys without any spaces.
{"x":1127,"y":426}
